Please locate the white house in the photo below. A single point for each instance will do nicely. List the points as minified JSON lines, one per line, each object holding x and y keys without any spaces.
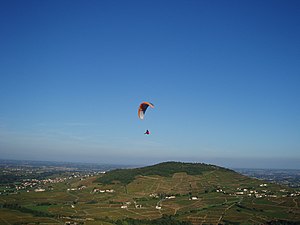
{"x":39,"y":190}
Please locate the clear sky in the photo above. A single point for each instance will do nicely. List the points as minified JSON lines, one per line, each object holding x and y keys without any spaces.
{"x":224,"y":77}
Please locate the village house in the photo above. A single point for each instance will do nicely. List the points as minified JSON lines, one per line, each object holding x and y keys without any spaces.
{"x":39,"y":190}
{"x":170,"y":197}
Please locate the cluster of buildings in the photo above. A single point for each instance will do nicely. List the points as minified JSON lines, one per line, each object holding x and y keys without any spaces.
{"x":261,"y":192}
{"x":97,"y":190}
{"x":40,"y":185}
{"x":126,"y":204}
{"x":31,"y":185}
{"x":77,"y":188}
{"x":159,"y":204}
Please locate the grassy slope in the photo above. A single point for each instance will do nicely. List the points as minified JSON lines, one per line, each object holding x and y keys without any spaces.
{"x":172,"y":178}
{"x":166,"y":169}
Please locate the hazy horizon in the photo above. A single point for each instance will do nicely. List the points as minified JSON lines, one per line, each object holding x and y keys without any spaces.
{"x":227,"y":163}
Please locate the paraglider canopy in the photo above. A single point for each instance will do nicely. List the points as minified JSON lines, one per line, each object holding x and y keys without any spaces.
{"x":142,"y":109}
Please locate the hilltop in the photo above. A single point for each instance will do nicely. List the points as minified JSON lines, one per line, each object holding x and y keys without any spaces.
{"x":165,"y":169}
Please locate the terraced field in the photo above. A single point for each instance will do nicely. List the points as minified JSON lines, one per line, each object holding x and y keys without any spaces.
{"x":214,"y":196}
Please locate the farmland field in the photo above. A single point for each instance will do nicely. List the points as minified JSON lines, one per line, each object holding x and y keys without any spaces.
{"x":214,"y":196}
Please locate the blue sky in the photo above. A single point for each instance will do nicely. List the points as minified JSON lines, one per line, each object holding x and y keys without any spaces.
{"x":224,"y":77}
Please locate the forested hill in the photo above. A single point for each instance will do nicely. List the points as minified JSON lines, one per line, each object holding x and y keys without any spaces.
{"x":166,"y":169}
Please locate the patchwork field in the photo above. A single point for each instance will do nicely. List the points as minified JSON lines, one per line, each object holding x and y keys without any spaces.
{"x":214,"y":196}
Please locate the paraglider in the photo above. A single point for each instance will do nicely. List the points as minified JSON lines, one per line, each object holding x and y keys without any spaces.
{"x":142,"y":110}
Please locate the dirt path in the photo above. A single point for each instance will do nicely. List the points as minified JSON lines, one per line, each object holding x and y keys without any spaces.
{"x":76,"y":197}
{"x":296,"y":203}
{"x":223,"y":214}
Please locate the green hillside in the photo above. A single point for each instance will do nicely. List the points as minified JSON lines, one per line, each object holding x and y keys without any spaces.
{"x":166,"y":169}
{"x":167,"y":193}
